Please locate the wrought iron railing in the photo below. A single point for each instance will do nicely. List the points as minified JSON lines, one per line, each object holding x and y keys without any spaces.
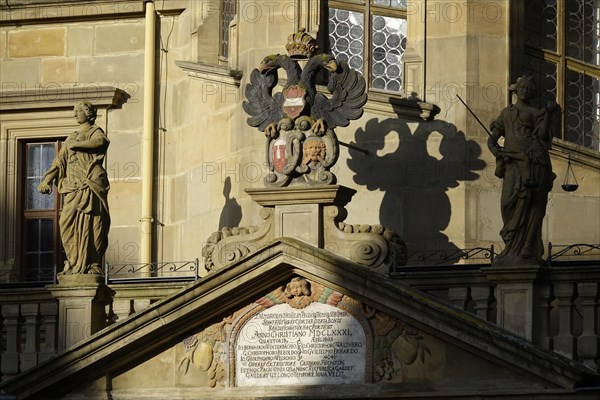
{"x":578,"y":253}
{"x":451,"y":256}
{"x":171,"y":270}
{"x":35,"y":277}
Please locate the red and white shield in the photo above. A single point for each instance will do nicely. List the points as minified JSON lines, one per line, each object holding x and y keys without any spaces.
{"x":279,"y":157}
{"x":293,"y":102}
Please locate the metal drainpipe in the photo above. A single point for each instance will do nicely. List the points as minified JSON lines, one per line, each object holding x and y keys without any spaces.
{"x":148,"y":138}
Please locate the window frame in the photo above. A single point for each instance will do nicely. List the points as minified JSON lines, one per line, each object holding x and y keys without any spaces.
{"x":369,"y":10}
{"x":224,"y":58}
{"x":21,"y":122}
{"x":558,"y":58}
{"x":26,"y":214}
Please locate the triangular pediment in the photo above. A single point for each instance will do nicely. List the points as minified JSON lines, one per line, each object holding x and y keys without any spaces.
{"x":290,"y":320}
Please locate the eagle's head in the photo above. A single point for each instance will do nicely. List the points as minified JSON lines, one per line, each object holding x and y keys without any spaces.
{"x":329,"y":63}
{"x":268,"y":64}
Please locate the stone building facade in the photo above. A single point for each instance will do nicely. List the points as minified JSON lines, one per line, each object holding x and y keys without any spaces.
{"x":417,"y":158}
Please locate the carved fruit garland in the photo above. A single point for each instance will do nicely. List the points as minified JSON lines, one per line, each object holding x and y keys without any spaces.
{"x":396,"y":345}
{"x":202,"y":351}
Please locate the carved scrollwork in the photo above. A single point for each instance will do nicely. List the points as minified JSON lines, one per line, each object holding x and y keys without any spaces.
{"x":298,"y":154}
{"x":365,"y":252}
{"x":230,"y":244}
{"x":369,"y":245}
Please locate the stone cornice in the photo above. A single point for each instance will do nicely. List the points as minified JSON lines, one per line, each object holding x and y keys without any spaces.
{"x":211,"y":72}
{"x":57,"y":98}
{"x":405,"y":108}
{"x":330,"y":194}
{"x":579,"y":154}
{"x":18,"y":12}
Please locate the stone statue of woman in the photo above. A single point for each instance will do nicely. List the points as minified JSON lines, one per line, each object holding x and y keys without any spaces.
{"x":79,"y":175}
{"x":524,"y":165}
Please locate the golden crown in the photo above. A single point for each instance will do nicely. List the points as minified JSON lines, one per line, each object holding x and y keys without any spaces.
{"x":301,"y":45}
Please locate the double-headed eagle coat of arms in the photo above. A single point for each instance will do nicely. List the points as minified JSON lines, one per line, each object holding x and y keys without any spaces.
{"x":299,"y":121}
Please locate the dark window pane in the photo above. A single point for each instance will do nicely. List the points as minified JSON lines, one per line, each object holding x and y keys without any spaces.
{"x":32,"y":267}
{"x":582,"y":30}
{"x":47,"y":235}
{"x":544,"y":75}
{"x":541,"y":26}
{"x":582,"y":111}
{"x":46,"y":261}
{"x":32,"y":236}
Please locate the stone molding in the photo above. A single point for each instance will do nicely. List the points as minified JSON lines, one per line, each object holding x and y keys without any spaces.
{"x":210,"y":72}
{"x":579,"y":154}
{"x":56,"y":98}
{"x":405,"y":108}
{"x":14,"y":12}
{"x":330,"y":194}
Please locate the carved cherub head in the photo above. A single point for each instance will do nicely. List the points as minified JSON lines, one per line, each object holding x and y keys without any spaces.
{"x":297,"y":287}
{"x":314,"y":151}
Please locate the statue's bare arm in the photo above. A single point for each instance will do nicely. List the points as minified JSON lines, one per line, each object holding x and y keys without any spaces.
{"x":49,"y":178}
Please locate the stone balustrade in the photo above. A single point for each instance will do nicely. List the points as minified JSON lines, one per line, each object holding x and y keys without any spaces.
{"x":566,"y":304}
{"x":129,"y":298}
{"x":29,"y":319}
{"x":29,"y":326}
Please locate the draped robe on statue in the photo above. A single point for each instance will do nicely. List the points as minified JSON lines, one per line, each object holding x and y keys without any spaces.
{"x":84,"y":221}
{"x":528,"y":177}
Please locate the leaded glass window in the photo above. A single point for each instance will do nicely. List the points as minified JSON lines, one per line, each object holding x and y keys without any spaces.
{"x":371,"y":37}
{"x":562,"y":45}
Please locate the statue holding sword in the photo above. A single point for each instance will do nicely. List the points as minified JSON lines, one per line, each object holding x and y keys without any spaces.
{"x":523,"y":163}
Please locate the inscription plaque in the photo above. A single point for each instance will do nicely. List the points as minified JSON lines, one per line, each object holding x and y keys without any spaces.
{"x":319,"y":344}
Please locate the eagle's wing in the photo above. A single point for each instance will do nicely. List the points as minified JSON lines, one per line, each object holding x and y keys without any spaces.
{"x":263,"y":108}
{"x":347,"y":88}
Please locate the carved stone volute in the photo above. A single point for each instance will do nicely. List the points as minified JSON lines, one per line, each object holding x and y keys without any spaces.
{"x":314,"y":215}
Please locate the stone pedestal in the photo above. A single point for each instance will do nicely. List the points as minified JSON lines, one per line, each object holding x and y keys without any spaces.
{"x":298,"y":212}
{"x":517,"y":298}
{"x":81,"y":307}
{"x":313,"y":215}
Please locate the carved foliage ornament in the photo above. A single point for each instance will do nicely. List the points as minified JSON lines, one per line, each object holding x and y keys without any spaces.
{"x":298,"y":122}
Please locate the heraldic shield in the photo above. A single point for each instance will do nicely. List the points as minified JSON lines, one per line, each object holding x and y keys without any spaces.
{"x":298,"y":122}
